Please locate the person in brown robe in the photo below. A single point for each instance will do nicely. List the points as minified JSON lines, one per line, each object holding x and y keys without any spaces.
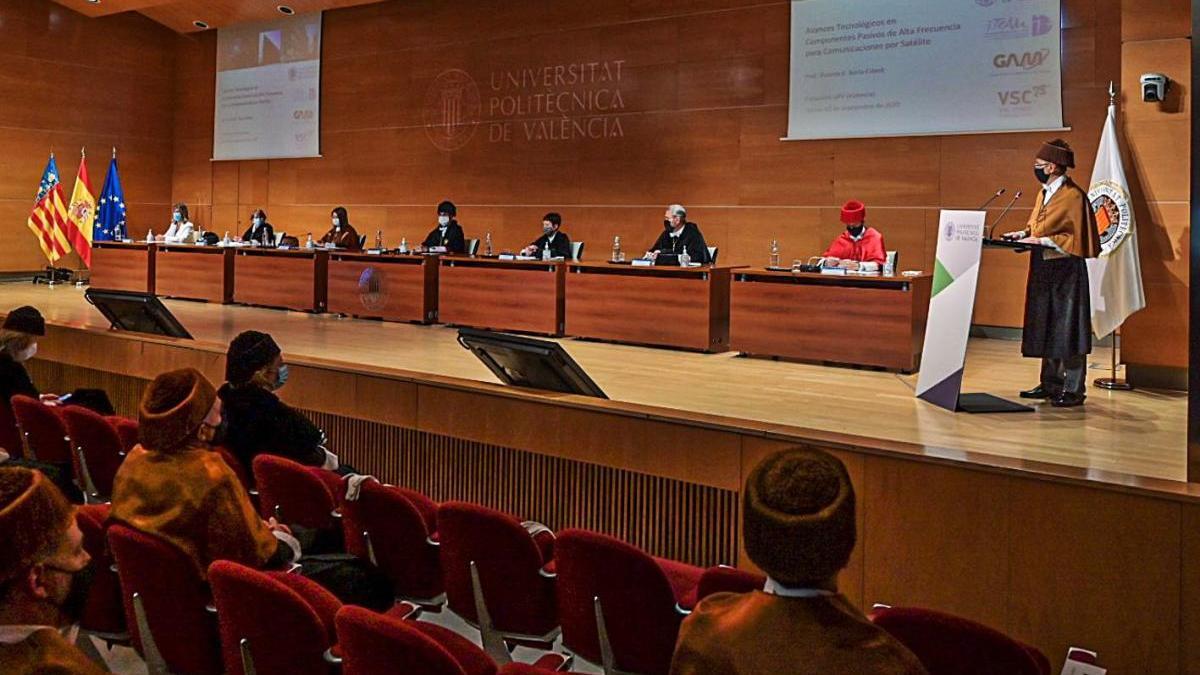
{"x":799,"y":523}
{"x":1058,"y":312}
{"x":341,"y":233}
{"x":43,"y":578}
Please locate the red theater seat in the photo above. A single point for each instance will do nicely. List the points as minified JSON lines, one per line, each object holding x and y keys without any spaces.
{"x":642,"y":599}
{"x":386,"y":526}
{"x":377,"y":644}
{"x":103,"y":612}
{"x":295,"y":494}
{"x":494,"y":577}
{"x":948,"y":645}
{"x":127,"y":429}
{"x":164,"y":595}
{"x":98,"y":451}
{"x":43,"y":431}
{"x":10,"y":435}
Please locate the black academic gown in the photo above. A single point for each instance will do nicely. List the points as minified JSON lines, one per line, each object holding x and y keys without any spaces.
{"x":1058,"y":307}
{"x":251,"y":235}
{"x":560,"y":246}
{"x":453,"y":240}
{"x":261,"y":423}
{"x":690,"y":239}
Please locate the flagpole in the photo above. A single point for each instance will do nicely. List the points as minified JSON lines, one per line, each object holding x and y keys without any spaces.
{"x":1113,"y":383}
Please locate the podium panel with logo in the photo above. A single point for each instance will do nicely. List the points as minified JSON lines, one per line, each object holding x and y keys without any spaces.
{"x":388,"y":287}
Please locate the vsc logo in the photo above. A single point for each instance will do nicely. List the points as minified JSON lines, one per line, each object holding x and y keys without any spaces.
{"x":1022,"y":97}
{"x":1024,"y":61}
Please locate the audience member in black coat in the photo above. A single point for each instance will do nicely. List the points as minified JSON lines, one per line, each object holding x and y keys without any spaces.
{"x":448,"y":234}
{"x":559,"y":242}
{"x":679,"y":235}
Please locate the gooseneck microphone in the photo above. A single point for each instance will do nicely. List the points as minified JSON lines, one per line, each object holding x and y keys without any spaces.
{"x":1003,"y":213}
{"x":992,"y":199}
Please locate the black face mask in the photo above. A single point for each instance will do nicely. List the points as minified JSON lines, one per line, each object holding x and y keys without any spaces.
{"x":856,"y":231}
{"x":667,"y":225}
{"x":77,"y":596}
{"x":1041,"y":175}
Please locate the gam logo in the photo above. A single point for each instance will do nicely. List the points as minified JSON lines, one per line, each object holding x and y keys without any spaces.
{"x":1025,"y":61}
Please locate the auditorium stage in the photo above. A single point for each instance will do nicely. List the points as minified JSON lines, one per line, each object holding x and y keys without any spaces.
{"x":1139,"y":433}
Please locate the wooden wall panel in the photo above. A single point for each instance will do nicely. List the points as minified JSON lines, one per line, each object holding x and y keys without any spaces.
{"x":68,"y":82}
{"x":704,"y":89}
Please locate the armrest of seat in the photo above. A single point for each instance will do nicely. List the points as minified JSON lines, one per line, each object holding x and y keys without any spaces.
{"x":433,"y":539}
{"x":725,"y":579}
{"x":549,"y":570}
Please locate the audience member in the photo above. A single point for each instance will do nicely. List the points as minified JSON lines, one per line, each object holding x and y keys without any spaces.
{"x":798,"y":520}
{"x":43,"y":578}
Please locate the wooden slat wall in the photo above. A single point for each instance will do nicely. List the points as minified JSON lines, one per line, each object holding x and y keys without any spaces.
{"x":70,"y":82}
{"x":705,"y":88}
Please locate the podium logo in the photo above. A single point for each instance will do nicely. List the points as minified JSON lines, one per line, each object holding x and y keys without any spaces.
{"x":452,"y":110}
{"x":1025,"y":61}
{"x":371,"y":291}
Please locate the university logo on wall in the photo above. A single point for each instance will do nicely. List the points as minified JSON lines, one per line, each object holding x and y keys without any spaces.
{"x":371,"y":289}
{"x":1114,"y":215}
{"x":452,"y":110}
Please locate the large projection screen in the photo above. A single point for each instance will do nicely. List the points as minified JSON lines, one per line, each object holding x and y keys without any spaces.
{"x":923,"y":67}
{"x":269,"y":89}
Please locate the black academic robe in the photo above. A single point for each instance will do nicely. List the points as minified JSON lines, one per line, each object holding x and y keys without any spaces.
{"x":453,"y":240}
{"x":689,"y":238}
{"x":560,"y":246}
{"x":251,"y":235}
{"x":14,"y":380}
{"x":347,"y":238}
{"x":258,"y":422}
{"x":1058,"y":307}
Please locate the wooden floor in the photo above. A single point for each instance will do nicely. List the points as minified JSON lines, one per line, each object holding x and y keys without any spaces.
{"x":1140,"y":433}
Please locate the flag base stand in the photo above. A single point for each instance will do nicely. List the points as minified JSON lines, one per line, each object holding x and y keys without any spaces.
{"x":1112,"y":384}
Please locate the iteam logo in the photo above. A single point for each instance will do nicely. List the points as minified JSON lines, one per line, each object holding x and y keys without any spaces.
{"x":1025,"y":61}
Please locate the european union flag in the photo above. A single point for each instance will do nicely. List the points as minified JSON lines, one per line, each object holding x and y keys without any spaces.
{"x":110,"y":213}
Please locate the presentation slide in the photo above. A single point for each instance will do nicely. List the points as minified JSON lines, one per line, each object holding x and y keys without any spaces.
{"x":269,"y":89}
{"x":908,"y":68}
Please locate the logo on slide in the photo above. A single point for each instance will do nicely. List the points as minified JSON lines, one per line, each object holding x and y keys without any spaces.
{"x":1013,"y":27}
{"x":1025,"y":61}
{"x":452,"y":110}
{"x":1110,"y":202}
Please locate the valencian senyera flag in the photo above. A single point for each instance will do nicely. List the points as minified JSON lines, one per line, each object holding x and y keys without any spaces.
{"x":48,"y":220}
{"x":81,"y":213}
{"x":110,"y":214}
{"x":1115,"y":278}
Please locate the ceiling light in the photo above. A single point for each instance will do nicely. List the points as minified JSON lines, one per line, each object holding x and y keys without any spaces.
{"x":200,"y":24}
{"x":94,"y":2}
{"x":284,"y":9}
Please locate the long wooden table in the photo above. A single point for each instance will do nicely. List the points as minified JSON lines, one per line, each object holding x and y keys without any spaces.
{"x":390,"y":287}
{"x":120,"y":266}
{"x":291,"y":279}
{"x":868,"y":321}
{"x":193,"y":272}
{"x":509,"y":295}
{"x":683,"y":307}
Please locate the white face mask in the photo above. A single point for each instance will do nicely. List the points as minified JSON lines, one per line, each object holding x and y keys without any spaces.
{"x":337,"y":222}
{"x":443,"y":221}
{"x":257,"y":222}
{"x":28,"y":353}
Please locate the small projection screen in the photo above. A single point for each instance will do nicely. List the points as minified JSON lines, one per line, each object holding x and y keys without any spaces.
{"x":924,"y":67}
{"x":269,"y":89}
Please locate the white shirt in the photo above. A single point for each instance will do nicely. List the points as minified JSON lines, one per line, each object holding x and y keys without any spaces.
{"x":773,"y":587}
{"x":179,"y":233}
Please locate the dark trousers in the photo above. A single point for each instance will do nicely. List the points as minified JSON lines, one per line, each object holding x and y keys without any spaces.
{"x":1065,"y":375}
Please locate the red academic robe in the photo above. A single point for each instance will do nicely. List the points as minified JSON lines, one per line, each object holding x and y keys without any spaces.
{"x":869,"y":248}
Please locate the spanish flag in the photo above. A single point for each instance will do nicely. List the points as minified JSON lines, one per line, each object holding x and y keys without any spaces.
{"x":81,"y":214}
{"x":48,"y":219}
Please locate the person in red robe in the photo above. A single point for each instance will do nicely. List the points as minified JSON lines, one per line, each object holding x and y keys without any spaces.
{"x":859,"y":247}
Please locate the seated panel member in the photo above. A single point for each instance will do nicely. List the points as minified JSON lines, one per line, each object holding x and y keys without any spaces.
{"x":260,"y":230}
{"x":679,"y":235}
{"x":448,"y":234}
{"x":341,"y":233}
{"x":180,"y":231}
{"x":559,"y":242}
{"x":860,"y":247}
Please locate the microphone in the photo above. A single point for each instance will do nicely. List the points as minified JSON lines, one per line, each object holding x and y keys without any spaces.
{"x":1003,"y":213}
{"x":991,"y":199}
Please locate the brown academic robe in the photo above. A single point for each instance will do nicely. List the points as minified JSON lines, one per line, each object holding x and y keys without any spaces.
{"x":346,"y":238}
{"x":754,"y":633}
{"x":1058,"y":311}
{"x":192,"y":499}
{"x":45,"y":652}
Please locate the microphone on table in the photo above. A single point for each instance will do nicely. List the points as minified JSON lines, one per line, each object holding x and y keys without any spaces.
{"x":992,"y":199}
{"x":1003,"y":213}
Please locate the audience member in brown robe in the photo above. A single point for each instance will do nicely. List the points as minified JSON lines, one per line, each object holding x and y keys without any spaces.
{"x":798,"y":516}
{"x":341,"y":233}
{"x":43,"y":577}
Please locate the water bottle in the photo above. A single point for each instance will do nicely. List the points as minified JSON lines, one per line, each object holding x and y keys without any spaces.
{"x":149,"y":236}
{"x":684,"y":258}
{"x":378,"y":240}
{"x":308,"y":242}
{"x":404,"y":244}
{"x":546,"y":252}
{"x":226,"y":239}
{"x":889,"y":266}
{"x":266,"y":241}
{"x":616,"y":254}
{"x":774,"y":253}
{"x":487,"y":244}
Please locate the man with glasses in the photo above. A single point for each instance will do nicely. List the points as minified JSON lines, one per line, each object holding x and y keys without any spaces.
{"x":1058,"y":324}
{"x":43,"y":577}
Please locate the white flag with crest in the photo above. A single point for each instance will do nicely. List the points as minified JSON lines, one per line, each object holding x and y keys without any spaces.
{"x":1115,"y":277}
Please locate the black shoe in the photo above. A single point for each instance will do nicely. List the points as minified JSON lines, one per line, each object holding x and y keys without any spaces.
{"x":1037,"y":392}
{"x":1068,"y":400}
